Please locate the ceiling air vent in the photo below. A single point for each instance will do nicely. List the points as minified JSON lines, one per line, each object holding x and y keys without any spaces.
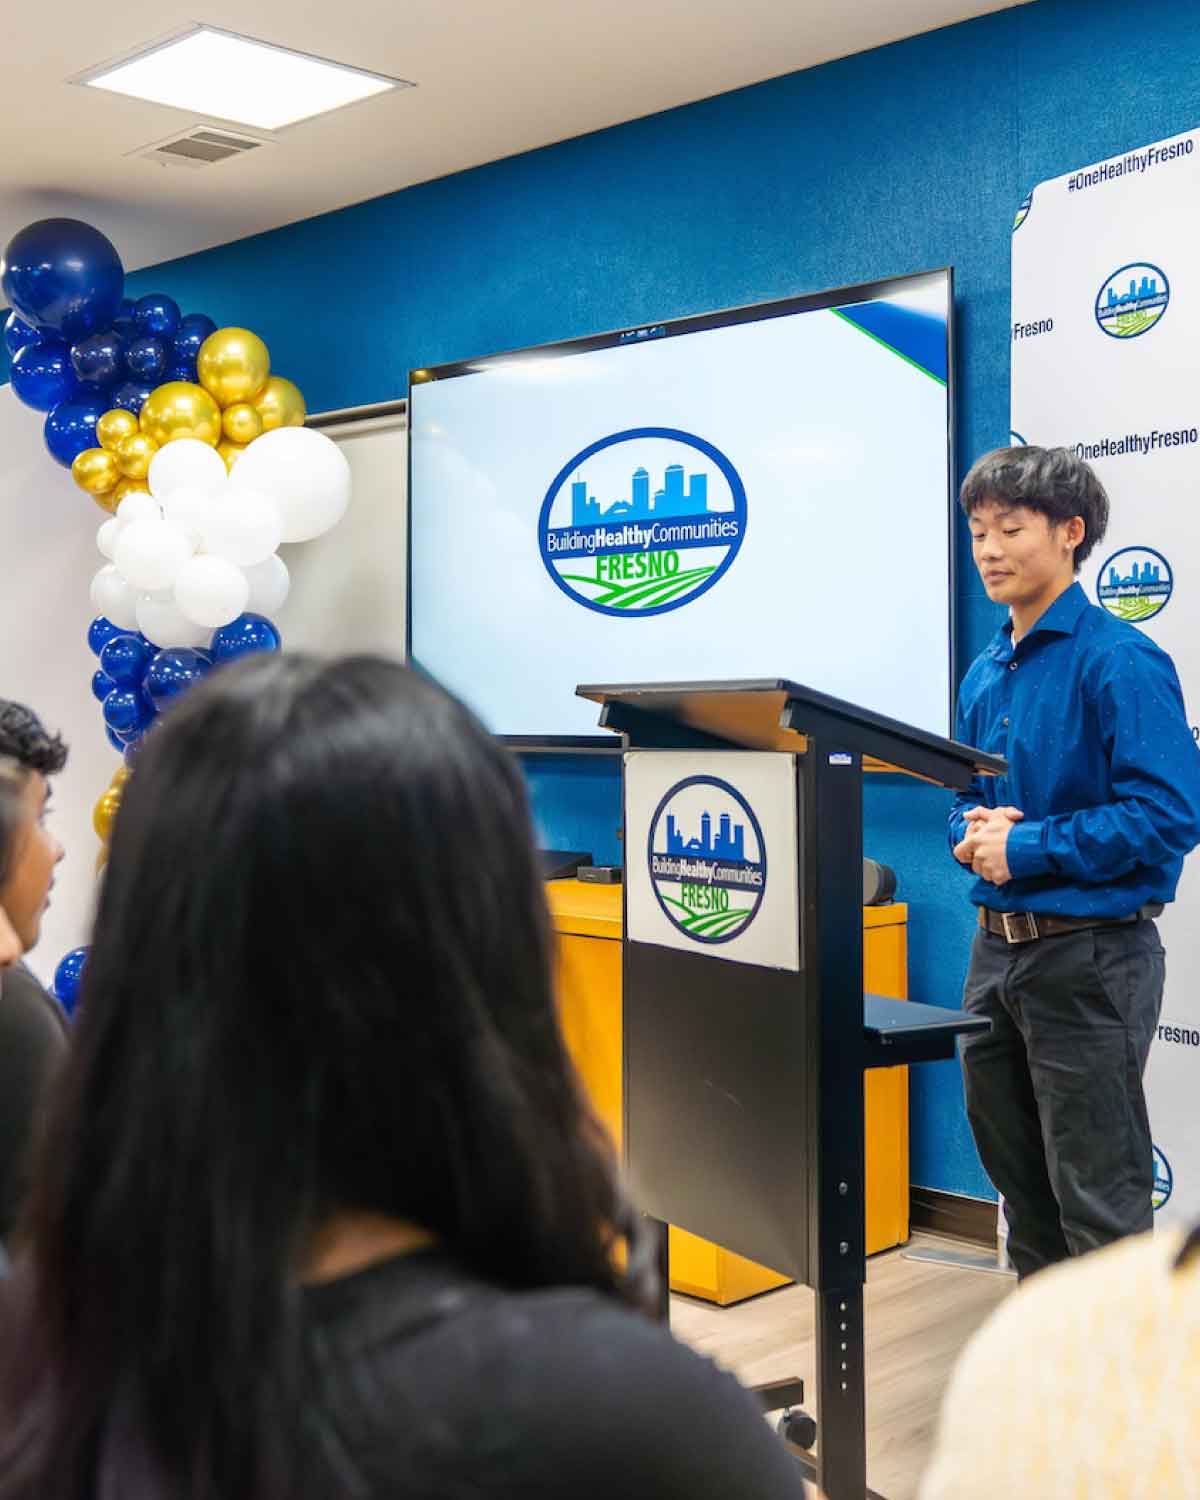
{"x":199,"y":147}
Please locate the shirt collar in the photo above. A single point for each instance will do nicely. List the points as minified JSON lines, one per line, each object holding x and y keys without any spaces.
{"x":1060,"y":619}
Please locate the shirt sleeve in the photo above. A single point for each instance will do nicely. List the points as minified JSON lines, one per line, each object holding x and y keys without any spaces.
{"x":974,"y":796}
{"x":1154,"y":814}
{"x":32,"y":1042}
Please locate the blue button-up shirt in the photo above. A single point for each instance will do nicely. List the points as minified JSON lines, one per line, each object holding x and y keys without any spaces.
{"x":1089,"y":714}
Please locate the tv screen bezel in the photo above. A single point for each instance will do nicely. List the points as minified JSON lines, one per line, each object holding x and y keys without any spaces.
{"x":639,"y":334}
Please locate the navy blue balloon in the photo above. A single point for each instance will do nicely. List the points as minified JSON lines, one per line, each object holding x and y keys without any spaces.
{"x":42,"y":376}
{"x":18,"y":333}
{"x":130,"y":753}
{"x":71,"y":426}
{"x":193,"y":330}
{"x":100,"y":632}
{"x":147,"y":360}
{"x":68,"y":977}
{"x":102,"y":685}
{"x":183,"y":370}
{"x":243,"y":636}
{"x":127,"y":710}
{"x":123,"y":322}
{"x":64,"y":277}
{"x":157,"y":316}
{"x":115,"y":740}
{"x":125,"y":659}
{"x":132,"y":395}
{"x":174,"y":670}
{"x":99,"y":359}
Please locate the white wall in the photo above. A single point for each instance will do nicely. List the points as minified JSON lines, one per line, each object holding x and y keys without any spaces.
{"x":348,"y":594}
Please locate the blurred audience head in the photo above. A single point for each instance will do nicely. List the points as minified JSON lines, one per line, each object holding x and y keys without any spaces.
{"x":320,"y":983}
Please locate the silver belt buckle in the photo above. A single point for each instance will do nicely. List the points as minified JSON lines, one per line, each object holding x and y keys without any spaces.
{"x":1019,"y":926}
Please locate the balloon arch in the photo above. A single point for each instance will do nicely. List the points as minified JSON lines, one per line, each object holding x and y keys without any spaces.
{"x":198,"y":454}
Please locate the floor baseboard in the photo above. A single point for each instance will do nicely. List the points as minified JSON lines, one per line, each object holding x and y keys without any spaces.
{"x":962,"y":1218}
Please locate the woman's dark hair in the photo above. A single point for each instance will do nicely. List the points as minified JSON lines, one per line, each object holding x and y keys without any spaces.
{"x":25,"y":746}
{"x":321,"y":979}
{"x":1051,"y":481}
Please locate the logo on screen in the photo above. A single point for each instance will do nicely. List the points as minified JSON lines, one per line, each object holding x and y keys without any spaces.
{"x":708,"y":861}
{"x":1135,"y":584}
{"x":642,"y":521}
{"x":1132,"y":300}
{"x":1164,"y":1180}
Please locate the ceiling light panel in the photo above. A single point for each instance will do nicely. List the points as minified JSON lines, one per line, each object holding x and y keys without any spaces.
{"x":231,"y":77}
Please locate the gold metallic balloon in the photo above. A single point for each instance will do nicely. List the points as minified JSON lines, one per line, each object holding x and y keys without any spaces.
{"x":104,"y":812}
{"x":181,"y":410}
{"x":242,"y":423}
{"x":108,"y":500}
{"x":125,"y":487}
{"x":115,"y":425}
{"x":134,"y":454}
{"x":280,"y":405}
{"x":230,"y":452}
{"x":120,"y":776}
{"x":233,"y":365}
{"x":95,"y":470}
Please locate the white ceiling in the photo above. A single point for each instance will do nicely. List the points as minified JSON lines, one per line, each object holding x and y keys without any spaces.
{"x":495,"y":77}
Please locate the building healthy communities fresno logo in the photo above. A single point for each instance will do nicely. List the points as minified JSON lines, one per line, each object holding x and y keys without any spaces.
{"x":642,"y":521}
{"x":1132,"y":300}
{"x":707,"y":858}
{"x":1164,"y":1180}
{"x":1135,"y":584}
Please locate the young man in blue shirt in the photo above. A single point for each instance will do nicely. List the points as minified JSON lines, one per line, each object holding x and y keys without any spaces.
{"x":1075,"y":852}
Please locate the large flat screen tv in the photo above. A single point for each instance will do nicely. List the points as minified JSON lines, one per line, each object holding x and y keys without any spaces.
{"x":756,"y":492}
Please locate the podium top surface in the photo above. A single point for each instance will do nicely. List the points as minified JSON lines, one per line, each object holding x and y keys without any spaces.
{"x":774,"y":713}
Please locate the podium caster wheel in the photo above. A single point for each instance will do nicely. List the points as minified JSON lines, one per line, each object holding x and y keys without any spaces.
{"x":797,"y":1427}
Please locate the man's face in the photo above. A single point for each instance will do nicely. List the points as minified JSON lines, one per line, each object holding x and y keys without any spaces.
{"x":36,"y":851}
{"x":1020,"y":554}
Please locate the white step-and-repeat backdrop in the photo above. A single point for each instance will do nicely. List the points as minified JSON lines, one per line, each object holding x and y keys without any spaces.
{"x":1106,"y":361}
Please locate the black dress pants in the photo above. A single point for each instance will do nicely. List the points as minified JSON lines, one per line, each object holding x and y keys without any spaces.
{"x":1054,"y":1091}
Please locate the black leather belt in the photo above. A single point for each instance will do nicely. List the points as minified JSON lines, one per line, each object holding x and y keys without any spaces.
{"x":1028,"y":926}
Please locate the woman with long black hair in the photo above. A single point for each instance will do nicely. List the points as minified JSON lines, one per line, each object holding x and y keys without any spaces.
{"x":320,"y":1210}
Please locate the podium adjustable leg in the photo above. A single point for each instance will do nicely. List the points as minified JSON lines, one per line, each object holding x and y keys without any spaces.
{"x":841,"y":1396}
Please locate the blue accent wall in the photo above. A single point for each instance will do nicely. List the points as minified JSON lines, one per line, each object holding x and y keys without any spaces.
{"x":901,"y":159}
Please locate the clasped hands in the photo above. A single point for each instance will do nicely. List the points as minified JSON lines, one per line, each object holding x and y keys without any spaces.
{"x":985,"y":844}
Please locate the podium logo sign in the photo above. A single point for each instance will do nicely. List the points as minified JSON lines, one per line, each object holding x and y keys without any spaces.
{"x":1135,"y":584}
{"x":1132,"y":300}
{"x":642,"y":522}
{"x":707,"y":859}
{"x":1164,"y":1180}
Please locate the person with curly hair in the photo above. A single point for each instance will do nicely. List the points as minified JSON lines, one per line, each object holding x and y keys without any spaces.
{"x":32,"y":1027}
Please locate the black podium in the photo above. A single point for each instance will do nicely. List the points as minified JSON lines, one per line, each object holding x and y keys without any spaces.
{"x":746,"y":1030}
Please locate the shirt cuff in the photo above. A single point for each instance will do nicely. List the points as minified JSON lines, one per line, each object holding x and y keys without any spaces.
{"x":1025,"y":852}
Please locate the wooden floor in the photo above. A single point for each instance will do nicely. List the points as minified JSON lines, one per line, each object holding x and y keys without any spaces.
{"x":918,"y":1317}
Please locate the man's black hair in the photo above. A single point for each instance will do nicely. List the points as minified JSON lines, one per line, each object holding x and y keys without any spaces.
{"x":1051,"y":481}
{"x":24,"y":739}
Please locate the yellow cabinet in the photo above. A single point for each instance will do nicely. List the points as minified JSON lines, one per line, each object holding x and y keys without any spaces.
{"x":588,"y":921}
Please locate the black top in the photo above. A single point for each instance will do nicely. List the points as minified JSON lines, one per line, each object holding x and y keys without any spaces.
{"x":433,"y":1384}
{"x":33,"y":1037}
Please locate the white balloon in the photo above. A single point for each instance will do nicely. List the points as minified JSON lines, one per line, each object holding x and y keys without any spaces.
{"x":304,"y":472}
{"x":162,"y":624}
{"x":151,"y":553}
{"x":187,"y":508}
{"x":138,"y":507}
{"x":270,"y":583}
{"x":243,"y":526}
{"x":114,"y":599}
{"x":211,"y":591}
{"x":106,"y":537}
{"x":186,"y":464}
